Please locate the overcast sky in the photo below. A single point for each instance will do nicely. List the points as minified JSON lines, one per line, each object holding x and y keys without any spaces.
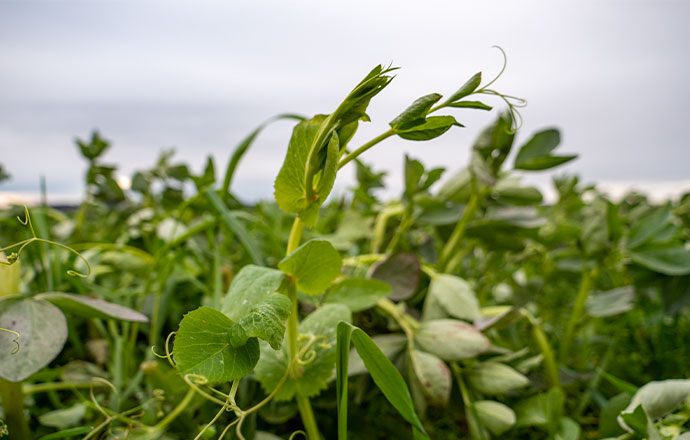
{"x":199,"y":75}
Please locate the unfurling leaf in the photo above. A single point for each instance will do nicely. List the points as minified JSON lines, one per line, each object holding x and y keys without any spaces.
{"x":266,"y":321}
{"x":416,"y":113}
{"x":313,"y":266}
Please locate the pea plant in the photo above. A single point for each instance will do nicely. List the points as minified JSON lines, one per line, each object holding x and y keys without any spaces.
{"x":466,"y":307}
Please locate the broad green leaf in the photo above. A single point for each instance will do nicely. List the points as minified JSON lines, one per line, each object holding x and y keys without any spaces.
{"x":532,"y":411}
{"x":202,"y":347}
{"x":450,"y":296}
{"x":478,"y":105}
{"x":357,"y":293}
{"x":495,"y":142}
{"x":608,"y":423}
{"x":467,"y":88}
{"x":42,"y":332}
{"x":382,"y":371}
{"x":451,"y":340}
{"x":416,"y":113}
{"x":495,"y":378}
{"x":647,"y":227}
{"x":313,"y":266}
{"x":536,"y":153}
{"x":610,"y":303}
{"x":660,"y":398}
{"x":266,"y":321}
{"x":87,"y":307}
{"x":635,"y":421}
{"x":518,"y":195}
{"x":390,"y":345}
{"x":497,"y":417}
{"x":433,"y":376}
{"x":64,"y":417}
{"x":313,"y":377}
{"x":669,"y":259}
{"x":250,"y":287}
{"x":568,"y":430}
{"x":401,"y":272}
{"x":433,"y":127}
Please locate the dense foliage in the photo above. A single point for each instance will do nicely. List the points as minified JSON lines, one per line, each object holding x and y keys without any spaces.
{"x":465,"y":308}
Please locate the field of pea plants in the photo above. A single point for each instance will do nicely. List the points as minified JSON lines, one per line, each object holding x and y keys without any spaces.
{"x":465,"y":308}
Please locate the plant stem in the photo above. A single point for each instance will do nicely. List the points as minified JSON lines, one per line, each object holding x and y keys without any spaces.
{"x":308,"y":419}
{"x":451,"y":246}
{"x":303,"y":403}
{"x":549,"y":360}
{"x":13,"y":406}
{"x":476,"y":429}
{"x":578,"y":310}
{"x":383,"y":136}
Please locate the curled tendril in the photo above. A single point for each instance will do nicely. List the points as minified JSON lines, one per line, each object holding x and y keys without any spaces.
{"x":15,"y":350}
{"x":513,"y":102}
{"x":14,"y":256}
{"x":168,"y":354}
{"x":296,"y":433}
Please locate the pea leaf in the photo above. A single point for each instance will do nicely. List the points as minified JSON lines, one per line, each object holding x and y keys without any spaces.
{"x":451,"y":340}
{"x":669,"y":258}
{"x":478,"y":105}
{"x":314,"y":266}
{"x":647,"y":227}
{"x":357,"y":293}
{"x":382,"y":371}
{"x":660,"y":397}
{"x":202,"y":346}
{"x":432,"y":127}
{"x":42,"y":332}
{"x":467,"y":88}
{"x":450,"y":296}
{"x":313,"y":376}
{"x":265,"y":321}
{"x":536,"y":153}
{"x":87,"y":307}
{"x":610,"y":303}
{"x":401,"y":272}
{"x":391,"y":345}
{"x":250,"y":287}
{"x":416,"y":113}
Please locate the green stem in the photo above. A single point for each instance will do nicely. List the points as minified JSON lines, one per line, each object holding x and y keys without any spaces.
{"x":383,"y":136}
{"x":13,"y":406}
{"x":303,"y":403}
{"x":308,"y":419}
{"x":542,"y":341}
{"x":451,"y":246}
{"x":56,"y":386}
{"x":476,"y":428}
{"x":578,"y":310}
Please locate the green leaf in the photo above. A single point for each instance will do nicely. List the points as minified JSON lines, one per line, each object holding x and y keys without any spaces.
{"x":313,"y":266}
{"x":495,"y":378}
{"x":382,"y":371}
{"x":401,"y":272}
{"x":202,"y":346}
{"x":450,"y":296}
{"x":357,"y":293}
{"x":42,"y":332}
{"x":660,"y":398}
{"x":669,"y":259}
{"x":250,"y":287}
{"x":266,"y":321}
{"x":433,"y":376}
{"x":635,"y":421}
{"x":471,"y":104}
{"x":433,"y":127}
{"x":647,"y":227}
{"x":495,"y":142}
{"x":568,"y":430}
{"x":536,"y":153}
{"x":608,"y":425}
{"x":313,"y":377}
{"x":466,"y":89}
{"x":64,"y":417}
{"x":497,"y":417}
{"x":86,"y":307}
{"x":532,"y":411}
{"x":416,"y":113}
{"x":610,"y":303}
{"x":451,"y":340}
